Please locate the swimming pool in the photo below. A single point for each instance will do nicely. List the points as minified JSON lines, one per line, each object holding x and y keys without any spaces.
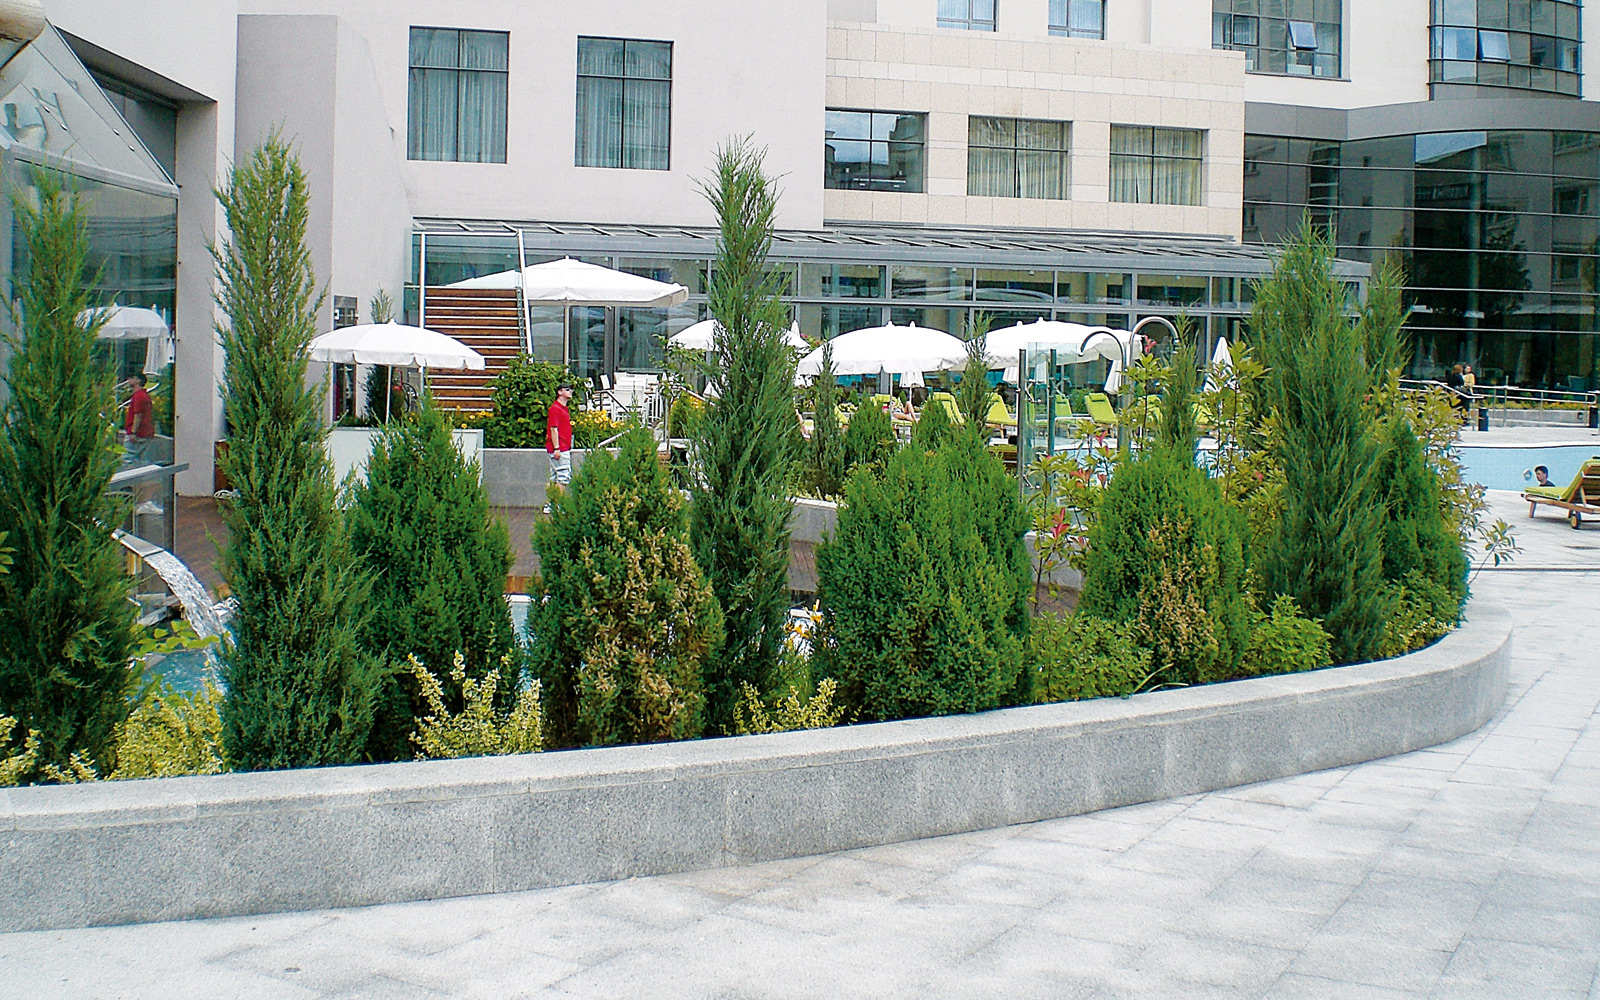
{"x":1511,"y":467}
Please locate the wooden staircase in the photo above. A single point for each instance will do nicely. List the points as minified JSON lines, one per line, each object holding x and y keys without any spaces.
{"x":486,"y":320}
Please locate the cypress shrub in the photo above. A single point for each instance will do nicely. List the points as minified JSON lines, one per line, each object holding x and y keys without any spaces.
{"x":67,"y":629}
{"x":623,"y":635}
{"x":869,"y":440}
{"x":1417,"y":539}
{"x":739,"y":521}
{"x":1326,"y":550}
{"x":919,"y":612}
{"x":1166,"y":555}
{"x":827,"y":456}
{"x":933,"y":429}
{"x":421,"y":527}
{"x":972,"y":394}
{"x":300,"y":688}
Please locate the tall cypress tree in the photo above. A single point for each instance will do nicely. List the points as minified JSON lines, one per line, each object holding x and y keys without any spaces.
{"x":827,"y":444}
{"x":438,"y":557}
{"x":66,"y":626}
{"x":300,"y":688}
{"x":740,"y":519}
{"x":1326,"y":550}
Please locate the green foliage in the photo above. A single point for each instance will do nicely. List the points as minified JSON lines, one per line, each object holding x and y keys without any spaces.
{"x":1284,"y":641}
{"x":421,"y":528}
{"x":740,"y":516}
{"x":826,"y":458}
{"x":1423,"y":612}
{"x":1381,"y":323}
{"x":482,"y":728}
{"x":170,"y":733}
{"x":627,"y":624}
{"x":522,"y":395}
{"x":933,"y":429}
{"x":66,"y":623}
{"x":1177,"y":429}
{"x":1166,"y":554}
{"x":300,"y":688}
{"x":869,"y":440}
{"x":381,"y":308}
{"x":687,"y":416}
{"x":6,"y":554}
{"x":923,"y":587}
{"x":592,"y":428}
{"x":751,"y":715}
{"x":18,"y":764}
{"x":1079,"y":656}
{"x":1417,"y":538}
{"x":972,"y":394}
{"x":1326,"y":548}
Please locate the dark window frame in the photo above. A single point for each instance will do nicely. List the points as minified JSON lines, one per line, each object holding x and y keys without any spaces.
{"x":1061,"y":19}
{"x":413,"y":122}
{"x":1063,"y":152}
{"x":622,"y":123}
{"x":1270,"y":39}
{"x":970,"y":22}
{"x":873,"y":184}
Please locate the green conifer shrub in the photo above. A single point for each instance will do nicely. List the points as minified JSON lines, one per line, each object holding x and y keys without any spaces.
{"x":933,"y":428}
{"x":1079,"y":656}
{"x":1326,"y":549}
{"x":421,"y":527}
{"x":919,"y":613}
{"x":300,"y":689}
{"x":739,"y":521}
{"x":826,"y":458}
{"x":869,"y":440}
{"x":67,"y":628}
{"x":1417,"y":537}
{"x":1166,"y":555}
{"x":972,"y":394}
{"x":621,"y":639}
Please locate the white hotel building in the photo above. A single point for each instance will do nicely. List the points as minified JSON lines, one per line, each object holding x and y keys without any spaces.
{"x":1086,"y":159}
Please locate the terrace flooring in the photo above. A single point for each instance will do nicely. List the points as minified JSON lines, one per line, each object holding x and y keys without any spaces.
{"x":1470,"y":869}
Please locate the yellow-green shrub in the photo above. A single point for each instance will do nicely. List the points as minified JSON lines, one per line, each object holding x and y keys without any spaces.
{"x":751,"y":715}
{"x":1284,"y":641}
{"x":478,"y":730}
{"x":170,"y":733}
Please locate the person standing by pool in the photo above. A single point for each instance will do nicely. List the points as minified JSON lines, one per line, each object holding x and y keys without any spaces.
{"x":139,"y":426}
{"x":1456,"y":382}
{"x":1469,"y":381}
{"x":558,"y":439}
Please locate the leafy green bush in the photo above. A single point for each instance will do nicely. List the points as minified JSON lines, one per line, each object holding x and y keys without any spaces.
{"x":522,"y":395}
{"x":1079,"y":656}
{"x":869,"y":440}
{"x":1166,"y":554}
{"x":687,"y":416}
{"x":751,"y":715}
{"x":626,"y":623}
{"x":170,"y":733}
{"x":486,"y":725}
{"x":923,"y":588}
{"x":66,"y":622}
{"x":1284,"y":641}
{"x":1424,"y":611}
{"x":421,"y":527}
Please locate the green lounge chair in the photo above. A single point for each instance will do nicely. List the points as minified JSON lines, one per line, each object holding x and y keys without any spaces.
{"x":999,"y":415}
{"x":946,"y":402}
{"x":1577,"y":498}
{"x":1100,"y":410}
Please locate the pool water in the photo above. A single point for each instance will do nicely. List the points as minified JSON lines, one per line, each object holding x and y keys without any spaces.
{"x":1511,"y":468}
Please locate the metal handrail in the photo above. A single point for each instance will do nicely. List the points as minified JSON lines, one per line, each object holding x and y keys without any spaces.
{"x":1503,"y":394}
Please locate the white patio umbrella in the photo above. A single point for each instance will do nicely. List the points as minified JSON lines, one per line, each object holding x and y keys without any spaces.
{"x":393,"y":345}
{"x":1068,"y":340}
{"x":898,"y":350}
{"x":1221,"y":361}
{"x":699,"y":337}
{"x":571,"y":282}
{"x":135,"y":323}
{"x":499,"y":279}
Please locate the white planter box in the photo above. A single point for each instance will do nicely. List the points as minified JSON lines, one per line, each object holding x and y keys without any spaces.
{"x":350,"y":447}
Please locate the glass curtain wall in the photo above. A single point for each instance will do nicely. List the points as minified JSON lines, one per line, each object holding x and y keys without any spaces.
{"x":1525,"y":44}
{"x":1498,"y":231}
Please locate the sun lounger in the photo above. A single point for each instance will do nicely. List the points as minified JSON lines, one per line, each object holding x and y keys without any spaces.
{"x":946,"y":402}
{"x":1099,"y":405}
{"x":1579,"y":497}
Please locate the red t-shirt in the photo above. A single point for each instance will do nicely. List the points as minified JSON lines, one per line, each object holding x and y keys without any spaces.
{"x":561,"y":420}
{"x":141,"y":415}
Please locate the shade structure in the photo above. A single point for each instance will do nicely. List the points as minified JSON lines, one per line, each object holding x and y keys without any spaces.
{"x":569,"y":282}
{"x":1073,"y":342}
{"x":393,"y":344}
{"x":499,"y":279}
{"x":699,"y":337}
{"x":136,"y":323}
{"x":898,"y":350}
{"x":1221,"y":364}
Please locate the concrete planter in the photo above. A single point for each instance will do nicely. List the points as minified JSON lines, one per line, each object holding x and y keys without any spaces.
{"x":516,"y":477}
{"x":350,"y":447}
{"x":121,"y":852}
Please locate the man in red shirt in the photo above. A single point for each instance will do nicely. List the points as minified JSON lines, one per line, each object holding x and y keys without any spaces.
{"x":139,"y":427}
{"x":558,"y":440}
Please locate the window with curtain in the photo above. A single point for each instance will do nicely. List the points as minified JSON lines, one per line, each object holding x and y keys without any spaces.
{"x":1016,"y":158}
{"x":456,"y":108}
{"x":970,"y":15}
{"x":1156,"y":166}
{"x":874,"y":150}
{"x":624,"y":104}
{"x":1293,"y":37}
{"x":1078,"y":18}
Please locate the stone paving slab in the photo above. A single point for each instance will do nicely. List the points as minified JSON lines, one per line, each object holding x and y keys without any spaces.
{"x":1467,"y":870}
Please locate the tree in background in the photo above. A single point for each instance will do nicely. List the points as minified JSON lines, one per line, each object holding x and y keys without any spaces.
{"x":67,"y":628}
{"x":827,"y":465}
{"x":627,"y":623}
{"x":972,"y":395}
{"x":420,"y":525}
{"x":739,"y":521}
{"x":521,"y":396}
{"x":869,"y":440}
{"x":1326,"y":550}
{"x":300,"y":688}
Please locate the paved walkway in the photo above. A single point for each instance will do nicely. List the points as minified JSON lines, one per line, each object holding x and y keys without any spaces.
{"x":1468,"y":870}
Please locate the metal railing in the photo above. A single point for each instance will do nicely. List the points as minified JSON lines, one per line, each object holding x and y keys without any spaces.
{"x":1486,"y":399}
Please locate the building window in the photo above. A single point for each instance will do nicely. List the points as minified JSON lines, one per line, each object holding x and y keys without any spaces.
{"x":875,"y":150}
{"x":457,"y":105}
{"x":1297,"y":37}
{"x":1078,"y":18}
{"x":1016,"y":158}
{"x":970,"y":15}
{"x":624,"y":104}
{"x":1155,"y":166}
{"x":1527,"y":44}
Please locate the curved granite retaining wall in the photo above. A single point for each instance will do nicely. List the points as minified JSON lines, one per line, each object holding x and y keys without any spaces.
{"x":121,"y":852}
